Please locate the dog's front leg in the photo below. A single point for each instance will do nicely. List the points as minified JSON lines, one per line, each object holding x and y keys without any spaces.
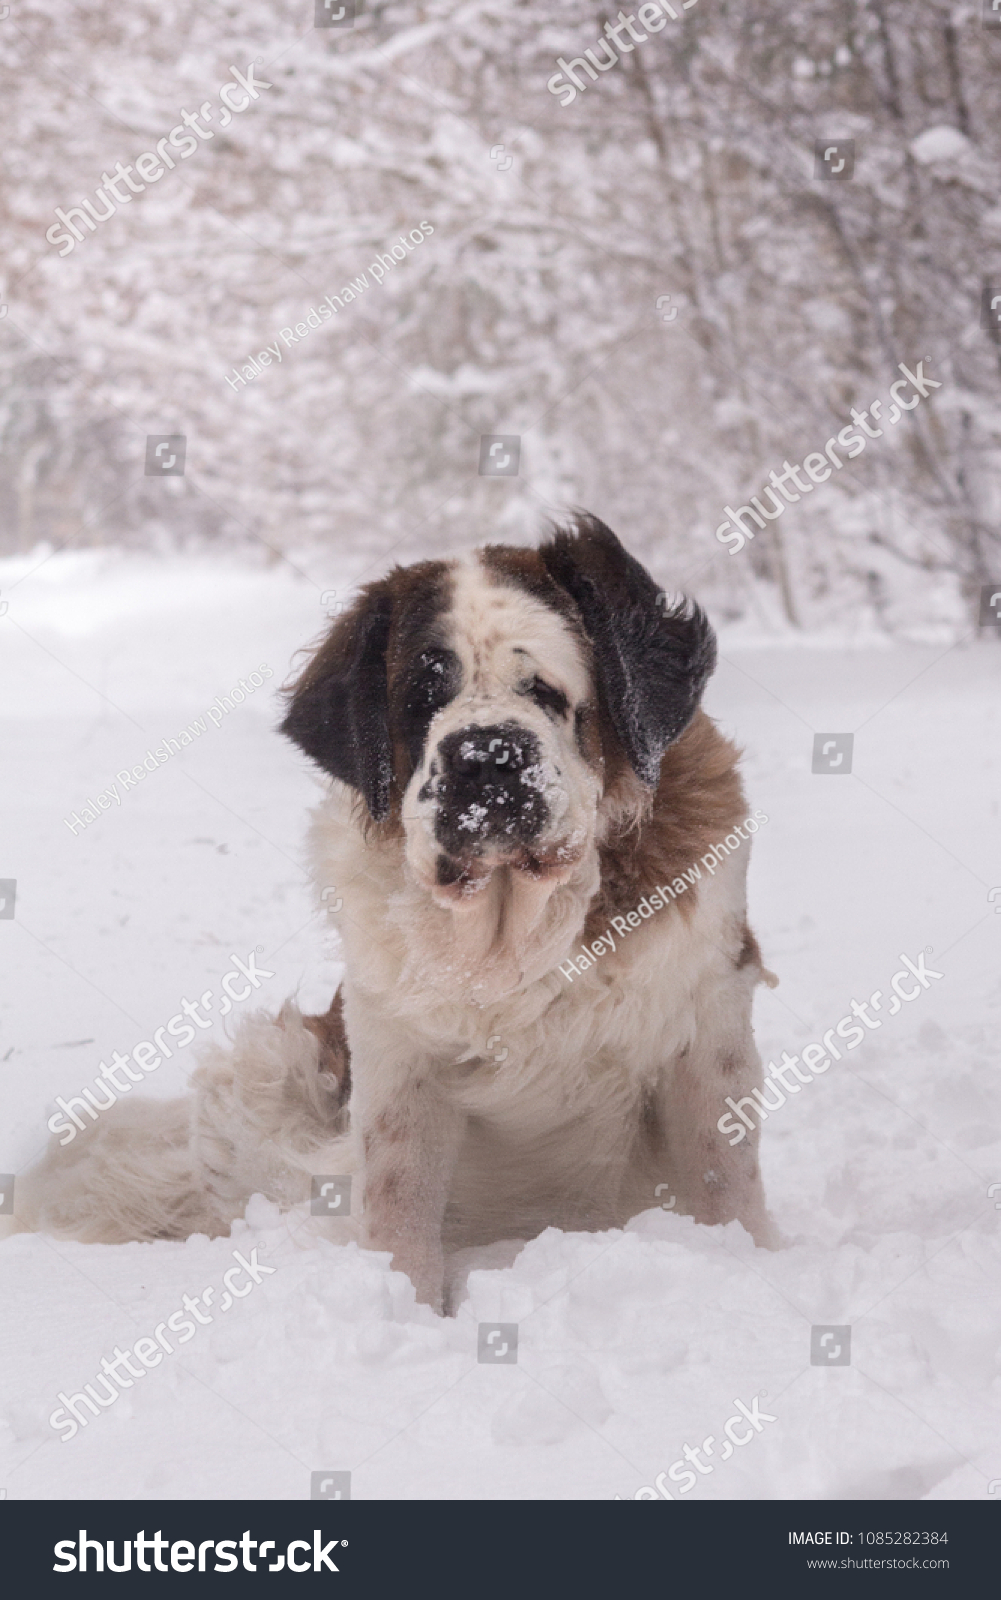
{"x":716,"y":1180}
{"x":410,"y":1137}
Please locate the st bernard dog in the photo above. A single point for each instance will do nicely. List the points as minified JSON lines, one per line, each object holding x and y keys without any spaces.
{"x":534,"y":1028}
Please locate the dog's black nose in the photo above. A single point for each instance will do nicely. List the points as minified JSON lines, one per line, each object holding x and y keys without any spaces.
{"x":490,"y":789}
{"x":483,"y":752}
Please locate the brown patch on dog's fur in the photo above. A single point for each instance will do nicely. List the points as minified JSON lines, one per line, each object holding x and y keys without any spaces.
{"x":389,"y":1129}
{"x":750,"y":950}
{"x":698,"y":801}
{"x":335,"y":1054}
{"x":384,"y":1190}
{"x":749,"y":955}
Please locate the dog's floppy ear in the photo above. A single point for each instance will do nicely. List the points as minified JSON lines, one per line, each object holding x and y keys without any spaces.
{"x":652,"y":659}
{"x":339,"y":708}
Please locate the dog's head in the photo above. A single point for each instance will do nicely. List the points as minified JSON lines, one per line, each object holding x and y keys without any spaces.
{"x":496,"y":711}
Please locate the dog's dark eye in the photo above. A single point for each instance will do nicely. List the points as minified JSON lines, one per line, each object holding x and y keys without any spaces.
{"x":434,"y":682}
{"x":548,"y":698}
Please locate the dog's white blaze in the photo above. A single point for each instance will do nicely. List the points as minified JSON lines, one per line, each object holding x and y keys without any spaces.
{"x":503,"y":635}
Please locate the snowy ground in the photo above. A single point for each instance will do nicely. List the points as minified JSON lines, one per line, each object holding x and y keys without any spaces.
{"x":632,"y":1344}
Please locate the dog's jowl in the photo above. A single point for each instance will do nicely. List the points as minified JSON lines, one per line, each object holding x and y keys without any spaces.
{"x":515,"y":759}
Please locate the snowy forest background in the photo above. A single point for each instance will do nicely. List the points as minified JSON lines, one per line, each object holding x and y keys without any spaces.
{"x":688,"y":171}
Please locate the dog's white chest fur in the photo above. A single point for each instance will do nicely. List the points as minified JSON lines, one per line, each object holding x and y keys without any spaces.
{"x":557,"y":1082}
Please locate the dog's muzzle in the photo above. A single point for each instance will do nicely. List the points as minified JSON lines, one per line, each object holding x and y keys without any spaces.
{"x":489,"y":787}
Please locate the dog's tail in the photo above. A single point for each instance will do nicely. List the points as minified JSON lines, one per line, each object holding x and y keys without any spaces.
{"x":259,"y":1119}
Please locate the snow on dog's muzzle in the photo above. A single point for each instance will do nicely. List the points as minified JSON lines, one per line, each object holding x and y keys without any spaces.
{"x":489,"y":785}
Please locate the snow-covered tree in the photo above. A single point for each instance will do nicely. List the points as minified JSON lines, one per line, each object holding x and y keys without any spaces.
{"x":535,"y":302}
